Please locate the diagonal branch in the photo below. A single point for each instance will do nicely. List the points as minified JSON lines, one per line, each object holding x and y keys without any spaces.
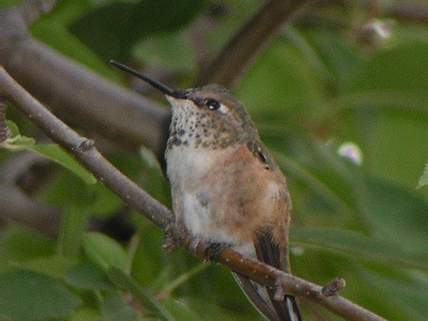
{"x":408,"y":11}
{"x":85,"y":151}
{"x":247,"y":43}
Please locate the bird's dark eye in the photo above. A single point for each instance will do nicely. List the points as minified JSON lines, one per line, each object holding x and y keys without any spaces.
{"x":212,"y":104}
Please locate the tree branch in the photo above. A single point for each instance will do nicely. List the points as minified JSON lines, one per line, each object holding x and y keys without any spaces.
{"x":19,"y":208}
{"x":247,"y":43}
{"x":408,"y":11}
{"x":85,"y":151}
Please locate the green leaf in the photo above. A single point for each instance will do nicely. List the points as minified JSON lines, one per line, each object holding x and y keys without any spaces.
{"x":400,"y":212}
{"x":317,"y":185}
{"x":352,"y":243}
{"x":60,"y":156}
{"x":148,"y":259}
{"x":55,"y":266}
{"x":8,"y":3}
{"x":19,"y":244}
{"x":182,"y":311}
{"x":168,"y":51}
{"x":180,"y":280}
{"x":74,"y":223}
{"x":336,"y":53}
{"x":28,"y":296}
{"x":51,"y":151}
{"x":104,"y":251}
{"x":88,"y":277}
{"x":85,"y":314}
{"x":141,"y":295}
{"x":14,"y":130}
{"x":424,"y":178}
{"x":290,"y":89}
{"x":53,"y":30}
{"x":382,"y":72}
{"x":105,"y":202}
{"x":59,"y":38}
{"x":412,"y":288}
{"x":117,"y":26}
{"x":388,"y":114}
{"x":115,"y":308}
{"x":18,"y":142}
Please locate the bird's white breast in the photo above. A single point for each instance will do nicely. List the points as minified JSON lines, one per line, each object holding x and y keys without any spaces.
{"x":186,"y":168}
{"x":186,"y":164}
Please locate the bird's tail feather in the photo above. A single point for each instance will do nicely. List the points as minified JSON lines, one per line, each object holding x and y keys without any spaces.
{"x":285,"y":310}
{"x":256,"y":297}
{"x":270,"y":252}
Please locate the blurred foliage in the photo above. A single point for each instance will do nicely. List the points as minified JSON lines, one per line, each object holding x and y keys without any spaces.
{"x":424,"y":178}
{"x":316,"y":90}
{"x":17,"y":142}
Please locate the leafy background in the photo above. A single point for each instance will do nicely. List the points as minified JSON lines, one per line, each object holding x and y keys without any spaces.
{"x":315,"y":88}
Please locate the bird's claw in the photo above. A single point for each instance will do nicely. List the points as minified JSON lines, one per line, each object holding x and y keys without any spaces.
{"x":171,"y":242}
{"x":211,"y":251}
{"x":176,"y":236}
{"x":279,"y":290}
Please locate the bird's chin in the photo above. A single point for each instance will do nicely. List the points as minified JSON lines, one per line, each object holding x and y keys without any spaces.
{"x":181,"y":103}
{"x":173,"y":101}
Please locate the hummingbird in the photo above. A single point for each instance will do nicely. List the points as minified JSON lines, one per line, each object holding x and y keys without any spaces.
{"x":226,"y":188}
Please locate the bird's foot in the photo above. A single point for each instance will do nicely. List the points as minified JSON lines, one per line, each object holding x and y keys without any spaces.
{"x":170,"y":242}
{"x":211,"y":251}
{"x":179,"y":235}
{"x":278,"y":290}
{"x":176,"y":236}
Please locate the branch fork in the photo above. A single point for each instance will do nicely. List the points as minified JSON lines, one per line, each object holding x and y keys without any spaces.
{"x":333,"y":287}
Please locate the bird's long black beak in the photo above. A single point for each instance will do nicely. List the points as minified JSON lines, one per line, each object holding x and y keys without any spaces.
{"x":154,"y":83}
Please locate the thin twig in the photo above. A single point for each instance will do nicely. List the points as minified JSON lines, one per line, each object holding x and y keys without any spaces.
{"x":247,"y":43}
{"x":408,"y":11}
{"x":85,"y":151}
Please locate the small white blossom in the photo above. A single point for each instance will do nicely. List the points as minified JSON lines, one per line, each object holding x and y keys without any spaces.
{"x":351,"y":151}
